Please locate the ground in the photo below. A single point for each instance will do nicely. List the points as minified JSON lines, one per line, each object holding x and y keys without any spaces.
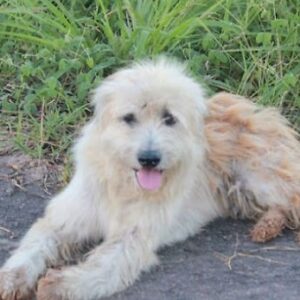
{"x":219,"y":263}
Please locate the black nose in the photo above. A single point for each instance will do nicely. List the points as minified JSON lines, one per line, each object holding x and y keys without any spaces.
{"x":149,"y":159}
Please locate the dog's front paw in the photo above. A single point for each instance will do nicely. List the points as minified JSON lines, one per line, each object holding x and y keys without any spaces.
{"x":49,"y":287}
{"x":15,"y":284}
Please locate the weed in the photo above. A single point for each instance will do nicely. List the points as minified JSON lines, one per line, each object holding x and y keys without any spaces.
{"x":53,"y":52}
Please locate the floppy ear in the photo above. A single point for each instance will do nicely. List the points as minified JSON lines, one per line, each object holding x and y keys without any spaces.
{"x":102,"y":94}
{"x":200,"y":99}
{"x":180,"y":68}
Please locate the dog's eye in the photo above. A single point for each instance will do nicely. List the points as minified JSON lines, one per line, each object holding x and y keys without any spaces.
{"x":168,"y":118}
{"x":130,"y":119}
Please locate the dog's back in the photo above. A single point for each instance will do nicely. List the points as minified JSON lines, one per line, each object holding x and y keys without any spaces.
{"x":255,"y":158}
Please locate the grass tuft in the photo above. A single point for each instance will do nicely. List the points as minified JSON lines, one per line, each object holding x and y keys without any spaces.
{"x":53,"y":52}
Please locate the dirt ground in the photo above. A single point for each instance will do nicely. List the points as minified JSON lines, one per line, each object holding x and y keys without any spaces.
{"x":219,"y":263}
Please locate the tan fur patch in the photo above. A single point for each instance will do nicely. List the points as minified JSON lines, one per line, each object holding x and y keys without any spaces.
{"x":269,"y":226}
{"x":253,"y":149}
{"x":48,"y":286}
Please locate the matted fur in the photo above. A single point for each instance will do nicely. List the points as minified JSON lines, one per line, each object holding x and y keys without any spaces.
{"x":254,"y":158}
{"x":224,"y":156}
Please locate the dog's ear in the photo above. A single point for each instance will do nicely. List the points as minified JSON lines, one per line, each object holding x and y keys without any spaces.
{"x":181,"y":69}
{"x":102,"y":94}
{"x":200,"y":98}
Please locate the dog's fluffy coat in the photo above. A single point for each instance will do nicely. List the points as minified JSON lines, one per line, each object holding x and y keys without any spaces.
{"x":224,"y":156}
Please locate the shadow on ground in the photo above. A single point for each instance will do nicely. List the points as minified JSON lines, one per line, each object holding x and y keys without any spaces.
{"x":219,"y":263}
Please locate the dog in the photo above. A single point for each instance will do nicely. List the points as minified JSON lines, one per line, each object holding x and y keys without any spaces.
{"x":154,"y":165}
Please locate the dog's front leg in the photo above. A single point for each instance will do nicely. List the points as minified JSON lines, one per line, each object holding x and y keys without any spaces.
{"x":111,"y":267}
{"x":20,"y":273}
{"x":67,"y":221}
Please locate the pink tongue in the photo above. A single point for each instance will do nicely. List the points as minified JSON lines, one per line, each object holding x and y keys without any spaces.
{"x":149,"y":179}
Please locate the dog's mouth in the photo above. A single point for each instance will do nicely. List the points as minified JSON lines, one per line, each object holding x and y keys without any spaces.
{"x":149,"y":179}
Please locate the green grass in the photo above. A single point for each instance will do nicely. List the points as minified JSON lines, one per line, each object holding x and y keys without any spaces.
{"x":53,"y":52}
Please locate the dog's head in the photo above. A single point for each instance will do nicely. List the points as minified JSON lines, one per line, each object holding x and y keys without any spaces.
{"x":150,"y":122}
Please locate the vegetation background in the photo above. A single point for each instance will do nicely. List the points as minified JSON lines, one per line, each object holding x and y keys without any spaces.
{"x":53,"y":52}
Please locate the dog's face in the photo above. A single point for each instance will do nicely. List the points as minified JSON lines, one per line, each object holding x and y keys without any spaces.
{"x":150,"y":120}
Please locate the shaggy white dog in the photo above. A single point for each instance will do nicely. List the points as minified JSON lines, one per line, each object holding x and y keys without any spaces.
{"x":153,"y":166}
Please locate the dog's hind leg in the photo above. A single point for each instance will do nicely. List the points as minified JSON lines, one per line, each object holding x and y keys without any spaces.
{"x":270,"y":225}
